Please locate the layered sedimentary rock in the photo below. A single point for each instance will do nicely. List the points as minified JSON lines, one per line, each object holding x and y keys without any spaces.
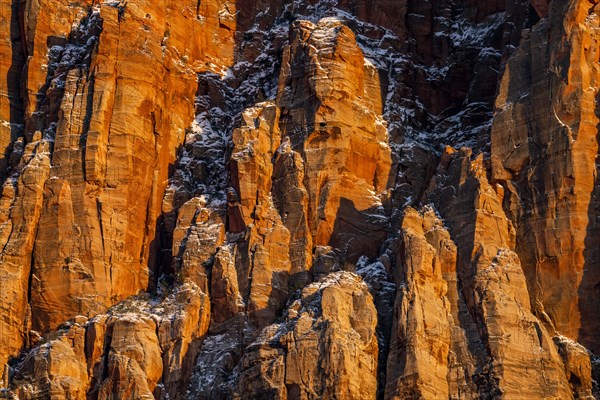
{"x":56,"y":369}
{"x":298,"y":199}
{"x":447,"y":343}
{"x":264,"y":270}
{"x":421,"y":342}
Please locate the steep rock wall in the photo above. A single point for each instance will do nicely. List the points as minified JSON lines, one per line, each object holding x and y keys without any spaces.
{"x":544,"y":151}
{"x":219,"y":200}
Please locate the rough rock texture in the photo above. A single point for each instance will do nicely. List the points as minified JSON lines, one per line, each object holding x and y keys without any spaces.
{"x":418,"y":364}
{"x":516,"y":345}
{"x":21,"y":204}
{"x":12,"y":60}
{"x":332,"y":116}
{"x":57,"y":369}
{"x":326,"y":348}
{"x":299,"y":199}
{"x":544,"y":151}
{"x":97,"y":84}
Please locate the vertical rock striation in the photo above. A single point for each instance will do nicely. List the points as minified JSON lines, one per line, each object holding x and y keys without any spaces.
{"x":544,"y":150}
{"x":299,"y":199}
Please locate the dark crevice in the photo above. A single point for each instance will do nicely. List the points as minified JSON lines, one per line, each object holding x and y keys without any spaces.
{"x":86,"y":121}
{"x":15,"y":81}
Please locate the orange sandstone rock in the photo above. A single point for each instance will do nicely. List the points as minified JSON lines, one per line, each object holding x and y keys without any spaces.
{"x":326,"y":348}
{"x":544,"y":152}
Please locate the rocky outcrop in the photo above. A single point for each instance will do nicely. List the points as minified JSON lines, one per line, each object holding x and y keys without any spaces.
{"x":494,"y":287}
{"x":12,"y":60}
{"x":577,"y":366}
{"x":418,"y":364}
{"x":544,"y":150}
{"x":134,"y":363}
{"x":298,"y":199}
{"x":468,"y":330}
{"x":326,"y":347}
{"x":140,"y":349}
{"x":97,"y":92}
{"x":332,"y":117}
{"x":21,"y":206}
{"x":57,"y":369}
{"x":265,"y":270}
{"x":105,"y":167}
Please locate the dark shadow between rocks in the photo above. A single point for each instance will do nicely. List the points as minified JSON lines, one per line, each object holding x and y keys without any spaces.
{"x":589,"y":288}
{"x":15,"y":77}
{"x":358,"y":232}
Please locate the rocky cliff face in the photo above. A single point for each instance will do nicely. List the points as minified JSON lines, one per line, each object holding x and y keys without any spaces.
{"x":299,"y":199}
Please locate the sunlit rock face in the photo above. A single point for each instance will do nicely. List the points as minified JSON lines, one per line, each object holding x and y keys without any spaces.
{"x":299,"y":199}
{"x":544,"y":152}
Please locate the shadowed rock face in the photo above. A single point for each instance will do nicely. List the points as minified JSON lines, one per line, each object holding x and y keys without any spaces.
{"x":299,"y":200}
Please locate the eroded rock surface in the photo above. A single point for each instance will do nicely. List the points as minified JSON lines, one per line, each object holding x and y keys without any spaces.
{"x":326,"y":348}
{"x":299,"y":199}
{"x":544,"y":152}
